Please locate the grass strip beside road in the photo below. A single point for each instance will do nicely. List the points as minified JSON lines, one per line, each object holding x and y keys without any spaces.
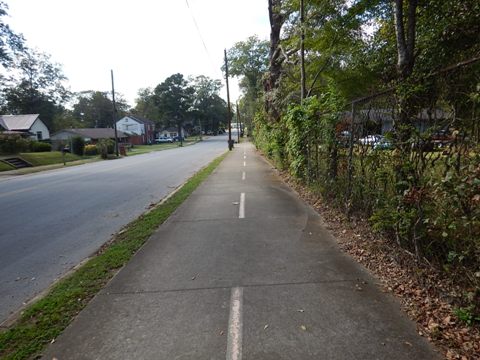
{"x":44,"y":320}
{"x":144,"y":149}
{"x":48,"y":158}
{"x":5,"y":166}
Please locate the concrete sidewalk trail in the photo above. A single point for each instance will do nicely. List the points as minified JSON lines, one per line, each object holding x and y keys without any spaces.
{"x":242,"y":270}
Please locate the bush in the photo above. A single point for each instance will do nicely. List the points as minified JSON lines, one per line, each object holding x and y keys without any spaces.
{"x":37,"y":146}
{"x":105,"y":147}
{"x":13,"y":144}
{"x":78,"y":145}
{"x":91,"y":150}
{"x":110,"y":146}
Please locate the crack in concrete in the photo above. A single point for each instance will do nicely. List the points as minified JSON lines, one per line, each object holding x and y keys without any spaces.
{"x":166,"y":291}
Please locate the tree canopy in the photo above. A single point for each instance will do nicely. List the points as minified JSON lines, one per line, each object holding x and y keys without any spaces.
{"x":178,"y":100}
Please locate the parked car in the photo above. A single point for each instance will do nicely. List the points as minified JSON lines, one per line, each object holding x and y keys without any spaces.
{"x":371,"y":140}
{"x":164,"y":139}
{"x":383,"y":144}
{"x":343,"y":138}
{"x":441,"y":138}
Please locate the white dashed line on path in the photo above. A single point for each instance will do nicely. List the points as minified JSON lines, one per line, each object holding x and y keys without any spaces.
{"x":241,"y":209}
{"x":235,"y":325}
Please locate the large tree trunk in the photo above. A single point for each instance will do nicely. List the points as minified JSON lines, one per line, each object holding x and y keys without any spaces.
{"x":405,"y":30}
{"x":272,"y":80}
{"x":405,"y":37}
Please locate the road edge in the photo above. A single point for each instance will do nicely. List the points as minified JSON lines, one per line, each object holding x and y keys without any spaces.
{"x":48,"y":314}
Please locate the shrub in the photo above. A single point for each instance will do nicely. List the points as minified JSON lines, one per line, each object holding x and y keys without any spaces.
{"x":78,"y":145}
{"x":13,"y":144}
{"x":37,"y":146}
{"x":91,"y":150}
{"x":105,"y":147}
{"x":110,"y":146}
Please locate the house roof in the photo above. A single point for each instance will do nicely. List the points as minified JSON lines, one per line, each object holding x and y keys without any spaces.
{"x":171,"y":129}
{"x":14,"y":132}
{"x":18,"y":122}
{"x":95,"y":133}
{"x":141,"y":120}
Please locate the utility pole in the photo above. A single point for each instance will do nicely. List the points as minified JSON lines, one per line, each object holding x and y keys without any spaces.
{"x":230,"y":141}
{"x":114,"y":115}
{"x":303,"y":90}
{"x":239,"y":126}
{"x":200,"y":126}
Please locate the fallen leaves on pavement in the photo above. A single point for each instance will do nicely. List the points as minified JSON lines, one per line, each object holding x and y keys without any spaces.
{"x":426,"y":296}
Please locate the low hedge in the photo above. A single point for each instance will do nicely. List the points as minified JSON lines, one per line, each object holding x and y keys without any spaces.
{"x":13,"y":144}
{"x":37,"y":146}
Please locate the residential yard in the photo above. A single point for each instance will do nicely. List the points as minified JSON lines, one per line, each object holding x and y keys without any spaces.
{"x":143,"y":149}
{"x":50,"y":158}
{"x":5,"y":167}
{"x":56,"y":158}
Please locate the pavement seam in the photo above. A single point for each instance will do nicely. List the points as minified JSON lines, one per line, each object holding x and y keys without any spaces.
{"x":233,"y":219}
{"x":140,"y":292}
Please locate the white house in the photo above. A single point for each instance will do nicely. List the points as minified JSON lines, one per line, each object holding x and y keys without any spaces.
{"x":26,"y":125}
{"x":172,"y":132}
{"x":140,"y":130}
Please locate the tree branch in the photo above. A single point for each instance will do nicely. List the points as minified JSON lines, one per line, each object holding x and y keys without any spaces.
{"x":316,"y":77}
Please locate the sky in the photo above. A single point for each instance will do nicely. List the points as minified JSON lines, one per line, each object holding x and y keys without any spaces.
{"x":142,"y":41}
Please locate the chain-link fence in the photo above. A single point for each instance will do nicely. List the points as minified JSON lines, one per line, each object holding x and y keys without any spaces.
{"x":414,"y":171}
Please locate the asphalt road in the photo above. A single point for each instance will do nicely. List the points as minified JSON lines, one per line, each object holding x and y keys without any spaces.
{"x":242,"y":270}
{"x":51,"y":221}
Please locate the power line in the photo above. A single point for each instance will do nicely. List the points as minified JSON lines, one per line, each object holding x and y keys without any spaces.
{"x":200,"y":36}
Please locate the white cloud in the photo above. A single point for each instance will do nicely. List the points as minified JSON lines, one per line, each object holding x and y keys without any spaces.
{"x":143,"y":41}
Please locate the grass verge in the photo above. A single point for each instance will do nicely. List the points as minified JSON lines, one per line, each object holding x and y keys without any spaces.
{"x":44,"y":320}
{"x":48,"y":158}
{"x":144,"y":149}
{"x":5,"y":166}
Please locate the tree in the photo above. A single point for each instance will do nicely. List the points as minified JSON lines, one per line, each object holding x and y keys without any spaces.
{"x":36,"y":87}
{"x":95,"y":108}
{"x":405,"y":31}
{"x":145,"y":105}
{"x":272,"y":81}
{"x":249,"y":60}
{"x":65,"y":120}
{"x":208,"y":107}
{"x":11,"y":43}
{"x":174,"y":99}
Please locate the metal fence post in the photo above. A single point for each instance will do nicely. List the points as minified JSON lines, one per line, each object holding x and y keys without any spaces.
{"x":348,"y":203}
